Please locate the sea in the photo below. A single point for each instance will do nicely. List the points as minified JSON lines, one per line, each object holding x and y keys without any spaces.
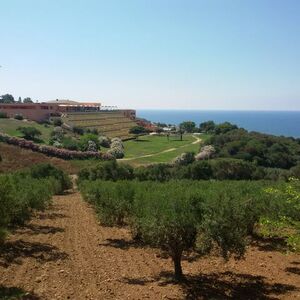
{"x":285,"y":123}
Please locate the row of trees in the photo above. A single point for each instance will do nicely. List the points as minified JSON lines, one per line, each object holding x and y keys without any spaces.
{"x":217,"y":169}
{"x":206,"y":127}
{"x":23,"y":192}
{"x":180,"y":216}
{"x":8,"y":98}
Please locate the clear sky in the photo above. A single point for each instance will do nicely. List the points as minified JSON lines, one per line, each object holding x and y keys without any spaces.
{"x":205,"y":54}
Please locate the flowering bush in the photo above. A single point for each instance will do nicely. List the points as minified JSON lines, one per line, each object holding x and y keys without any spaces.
{"x":206,"y":152}
{"x":92,"y":146}
{"x":117,"y":152}
{"x":104,"y":141}
{"x":52,"y":151}
{"x":184,"y":159}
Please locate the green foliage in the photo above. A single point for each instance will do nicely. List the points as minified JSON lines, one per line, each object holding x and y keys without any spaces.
{"x":23,"y":192}
{"x":156,"y":172}
{"x":18,"y":117}
{"x":226,"y":223}
{"x":187,"y":126}
{"x":261,"y":149}
{"x":3,"y":115}
{"x":137,"y":130}
{"x":283,"y":215}
{"x":116,"y":148}
{"x":207,"y":127}
{"x":104,"y":141}
{"x":29,"y":133}
{"x":92,"y":130}
{"x":7,"y":98}
{"x":84,"y":141}
{"x":27,"y":100}
{"x":78,"y":130}
{"x":196,"y":171}
{"x":179,"y":216}
{"x":46,"y":170}
{"x":224,"y":127}
{"x":57,"y":121}
{"x":232,"y":169}
{"x":184,"y":159}
{"x":70,"y":143}
{"x":295,"y":171}
{"x":108,"y":170}
{"x":113,"y":201}
{"x":167,"y":218}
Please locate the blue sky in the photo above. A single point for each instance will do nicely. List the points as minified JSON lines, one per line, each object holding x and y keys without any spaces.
{"x":212,"y":54}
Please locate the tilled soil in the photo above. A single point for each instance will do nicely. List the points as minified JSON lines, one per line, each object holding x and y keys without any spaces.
{"x":63,"y":253}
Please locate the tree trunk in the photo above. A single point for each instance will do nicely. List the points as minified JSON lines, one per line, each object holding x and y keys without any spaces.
{"x":177,"y":266}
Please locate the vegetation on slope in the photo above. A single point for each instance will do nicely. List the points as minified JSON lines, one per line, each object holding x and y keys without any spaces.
{"x":10,"y":127}
{"x":261,"y":149}
{"x":28,"y":190}
{"x":180,"y":216}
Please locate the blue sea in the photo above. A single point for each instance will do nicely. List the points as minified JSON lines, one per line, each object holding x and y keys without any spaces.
{"x":285,"y":123}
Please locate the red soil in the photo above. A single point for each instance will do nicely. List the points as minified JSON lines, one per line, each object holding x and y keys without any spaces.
{"x":64,"y":253}
{"x":15,"y":158}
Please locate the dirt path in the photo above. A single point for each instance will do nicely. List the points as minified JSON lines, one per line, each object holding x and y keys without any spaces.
{"x":64,"y":253}
{"x":198,"y":140}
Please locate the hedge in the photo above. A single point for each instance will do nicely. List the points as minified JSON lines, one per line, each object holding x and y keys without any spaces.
{"x":23,"y":192}
{"x":52,"y":151}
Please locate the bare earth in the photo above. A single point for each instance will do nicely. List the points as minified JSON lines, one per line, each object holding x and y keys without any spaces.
{"x":63,"y":253}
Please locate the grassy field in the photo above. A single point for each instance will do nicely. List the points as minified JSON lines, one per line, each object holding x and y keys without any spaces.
{"x":9,"y":126}
{"x":155,"y":149}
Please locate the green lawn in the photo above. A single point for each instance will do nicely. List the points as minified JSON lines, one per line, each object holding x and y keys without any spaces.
{"x":9,"y":126}
{"x":154,"y":145}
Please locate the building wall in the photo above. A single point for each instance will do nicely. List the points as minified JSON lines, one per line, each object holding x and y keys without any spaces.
{"x":42,"y":111}
{"x":31,"y":111}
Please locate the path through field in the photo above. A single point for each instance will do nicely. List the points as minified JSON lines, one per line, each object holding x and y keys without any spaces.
{"x":197,"y":140}
{"x":63,"y":253}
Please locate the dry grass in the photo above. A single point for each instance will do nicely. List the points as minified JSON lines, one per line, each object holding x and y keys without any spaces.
{"x":15,"y":158}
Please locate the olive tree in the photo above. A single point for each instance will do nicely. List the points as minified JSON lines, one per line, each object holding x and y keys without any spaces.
{"x":29,"y":133}
{"x":167,"y":219}
{"x":179,"y":216}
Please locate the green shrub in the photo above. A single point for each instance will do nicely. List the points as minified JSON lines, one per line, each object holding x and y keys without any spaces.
{"x":19,"y":196}
{"x":78,"y":130}
{"x":46,"y":170}
{"x":57,"y":121}
{"x":29,"y":133}
{"x":104,"y":141}
{"x":232,"y":169}
{"x":166,"y":218}
{"x":184,"y":159}
{"x":3,"y":115}
{"x":70,"y":143}
{"x":182,"y":215}
{"x":92,"y":130}
{"x":108,"y":170}
{"x":195,"y":171}
{"x":113,"y":201}
{"x":157,"y":172}
{"x":18,"y":117}
{"x":85,"y":139}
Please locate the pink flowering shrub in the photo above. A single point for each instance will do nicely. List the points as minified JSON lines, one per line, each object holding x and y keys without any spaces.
{"x":53,"y":151}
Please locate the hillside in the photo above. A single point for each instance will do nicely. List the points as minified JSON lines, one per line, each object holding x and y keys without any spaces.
{"x":10,"y":126}
{"x":15,"y":158}
{"x":108,"y":123}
